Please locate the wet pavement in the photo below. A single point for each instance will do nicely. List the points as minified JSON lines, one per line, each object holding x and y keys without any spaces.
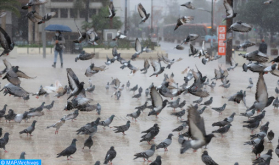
{"x":44,"y":144}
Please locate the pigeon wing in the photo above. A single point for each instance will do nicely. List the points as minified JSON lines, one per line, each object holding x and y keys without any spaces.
{"x":196,"y":124}
{"x":138,"y":46}
{"x":157,"y":100}
{"x":72,"y":79}
{"x":7,"y":64}
{"x":229,"y":10}
{"x":7,"y":38}
{"x":23,"y":75}
{"x":141,"y":10}
{"x":156,"y":66}
{"x":261,"y":94}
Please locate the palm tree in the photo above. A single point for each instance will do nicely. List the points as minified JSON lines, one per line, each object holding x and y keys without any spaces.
{"x":9,"y":5}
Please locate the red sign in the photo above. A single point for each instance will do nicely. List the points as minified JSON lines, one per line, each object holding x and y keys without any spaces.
{"x":222,"y":31}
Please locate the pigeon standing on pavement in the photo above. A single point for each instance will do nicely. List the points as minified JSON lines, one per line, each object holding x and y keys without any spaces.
{"x":146,"y":154}
{"x":258,"y":149}
{"x":134,"y":88}
{"x":167,"y":142}
{"x":275,"y":103}
{"x":107,"y":122}
{"x":30,"y":129}
{"x":128,"y":84}
{"x":88,"y":142}
{"x":111,"y":154}
{"x":69,"y":150}
{"x":207,"y":159}
{"x":223,"y":130}
{"x":157,"y":161}
{"x":135,"y":115}
{"x":208,"y":102}
{"x":198,"y":101}
{"x":220,"y":109}
{"x":57,"y":125}
{"x":72,"y":116}
{"x":122,"y":128}
{"x":4,"y":141}
{"x":270,"y":135}
{"x":22,"y":156}
{"x":179,"y":114}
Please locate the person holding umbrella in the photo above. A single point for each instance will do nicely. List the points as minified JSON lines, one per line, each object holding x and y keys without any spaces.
{"x":58,"y":41}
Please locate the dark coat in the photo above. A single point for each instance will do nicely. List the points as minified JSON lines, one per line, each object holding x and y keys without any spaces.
{"x":263,"y":47}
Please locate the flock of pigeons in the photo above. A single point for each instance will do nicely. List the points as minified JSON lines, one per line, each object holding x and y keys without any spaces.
{"x":157,"y":95}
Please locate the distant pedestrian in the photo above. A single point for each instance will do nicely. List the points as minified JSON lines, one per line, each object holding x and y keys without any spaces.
{"x":263,"y":47}
{"x":58,"y":41}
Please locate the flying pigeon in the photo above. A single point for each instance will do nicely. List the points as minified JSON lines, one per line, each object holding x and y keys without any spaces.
{"x":229,"y":10}
{"x":190,"y":37}
{"x":111,"y":10}
{"x":183,"y":20}
{"x":142,"y":13}
{"x":240,"y":27}
{"x":93,"y":36}
{"x":245,"y":45}
{"x":157,"y":102}
{"x":74,"y":83}
{"x":193,"y":51}
{"x":6,"y":42}
{"x":119,"y":35}
{"x":32,"y":3}
{"x":111,"y":154}
{"x":84,"y":56}
{"x":145,"y":66}
{"x":69,"y":150}
{"x":255,"y":56}
{"x":138,"y":49}
{"x":157,"y":67}
{"x":188,"y":5}
{"x":82,"y":36}
{"x":47,"y":17}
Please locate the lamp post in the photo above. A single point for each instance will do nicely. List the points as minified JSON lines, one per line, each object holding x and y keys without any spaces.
{"x":151,"y":18}
{"x":229,"y":42}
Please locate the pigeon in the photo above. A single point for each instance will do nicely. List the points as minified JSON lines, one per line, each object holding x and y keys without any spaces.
{"x":258,"y":148}
{"x":142,"y":13}
{"x":180,"y":128}
{"x":220,"y":109}
{"x":174,"y":104}
{"x":157,"y":102}
{"x":193,"y":51}
{"x":107,"y":86}
{"x":212,"y":85}
{"x":150,"y":133}
{"x":84,"y":56}
{"x":4,"y":141}
{"x":142,"y":107}
{"x":230,"y":118}
{"x":71,"y":116}
{"x":220,"y":123}
{"x":223,"y":130}
{"x":89,"y":128}
{"x":6,"y":43}
{"x":200,"y":111}
{"x":134,"y":88}
{"x":190,"y":37}
{"x":34,"y":16}
{"x":82,"y":36}
{"x":197,"y":131}
{"x":92,"y":69}
{"x":10,"y":116}
{"x":157,"y":161}
{"x":275,"y":103}
{"x":138,"y":49}
{"x":90,"y":89}
{"x":3,"y":111}
{"x":188,"y":5}
{"x":239,"y":96}
{"x":240,"y":26}
{"x":255,"y":56}
{"x":93,"y":36}
{"x":248,"y":113}
{"x":182,"y":104}
{"x":145,"y":66}
{"x":136,"y":114}
{"x":229,"y":11}
{"x":74,"y":83}
{"x":119,"y":35}
{"x":252,"y":125}
{"x":250,"y":83}
{"x":61,"y":91}
{"x":146,"y":154}
{"x":22,"y":156}
{"x":245,"y":45}
{"x":57,"y":125}
{"x":69,"y":150}
{"x":88,"y":142}
{"x":267,"y":2}
{"x":30,"y":129}
{"x":166,"y":143}
{"x":276,"y":90}
{"x":118,"y":94}
{"x":47,"y":17}
{"x":109,"y":61}
{"x":157,"y":67}
{"x":107,"y":122}
{"x":32,"y":3}
{"x":207,"y":160}
{"x":147,"y":92}
{"x":261,"y":94}
{"x":50,"y":106}
{"x":270,"y":135}
{"x":128,"y":84}
{"x":179,"y":114}
{"x":198,"y":101}
{"x":39,"y":109}
{"x":277,"y":150}
{"x":111,"y":154}
{"x":122,"y":128}
{"x":208,"y":102}
{"x":111,"y":10}
{"x":255,"y":141}
{"x":137,"y":96}
{"x":183,"y":20}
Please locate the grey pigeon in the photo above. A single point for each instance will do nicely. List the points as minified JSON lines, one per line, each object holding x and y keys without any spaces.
{"x":142,"y":12}
{"x":142,"y":107}
{"x":212,"y":85}
{"x":122,"y":128}
{"x":255,"y":141}
{"x":30,"y":129}
{"x":253,"y":125}
{"x":74,"y":84}
{"x":147,"y":92}
{"x":248,"y":113}
{"x":107,"y":86}
{"x":164,"y":144}
{"x":39,"y":109}
{"x":277,"y":150}
{"x":270,"y":135}
{"x":240,"y":27}
{"x":88,"y":142}
{"x":98,"y":108}
{"x":276,"y":90}
{"x":220,"y":109}
{"x":220,"y":123}
{"x":111,"y":154}
{"x":89,"y":128}
{"x":255,"y":56}
{"x":197,"y":131}
{"x":118,"y":94}
{"x":107,"y":122}
{"x":230,"y":118}
{"x":57,"y":125}
{"x":22,"y":156}
{"x":174,"y":104}
{"x":97,"y":163}
{"x":263,"y":158}
{"x":157,"y":102}
{"x":150,"y":133}
{"x":258,"y":148}
{"x":90,"y":89}
{"x":128,"y":84}
{"x":207,"y":160}
{"x":137,"y":96}
{"x":69,"y":150}
{"x":180,"y":128}
{"x":135,"y":115}
{"x":134,"y":88}
{"x":198,"y":101}
{"x":72,"y":116}
{"x":140,"y":89}
{"x":275,"y":103}
{"x":250,"y":83}
{"x":182,"y":104}
{"x":223,"y":130}
{"x":208,"y":102}
{"x":3,"y":111}
{"x":200,"y":111}
{"x":179,"y":114}
{"x":10,"y":116}
{"x":157,"y":67}
{"x":50,"y":106}
{"x":4,"y":141}
{"x":157,"y":161}
{"x":146,"y":154}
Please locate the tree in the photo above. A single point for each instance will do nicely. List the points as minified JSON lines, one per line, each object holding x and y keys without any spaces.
{"x":99,"y":22}
{"x":263,"y":16}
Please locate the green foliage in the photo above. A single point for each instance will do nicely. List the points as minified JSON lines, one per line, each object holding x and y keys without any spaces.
{"x":99,"y":22}
{"x":10,"y":5}
{"x":134,"y":20}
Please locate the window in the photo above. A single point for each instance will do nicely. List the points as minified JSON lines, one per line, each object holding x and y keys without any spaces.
{"x":109,"y":36}
{"x":56,"y":11}
{"x":63,"y":13}
{"x":92,"y":12}
{"x":82,"y":13}
{"x":73,"y":13}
